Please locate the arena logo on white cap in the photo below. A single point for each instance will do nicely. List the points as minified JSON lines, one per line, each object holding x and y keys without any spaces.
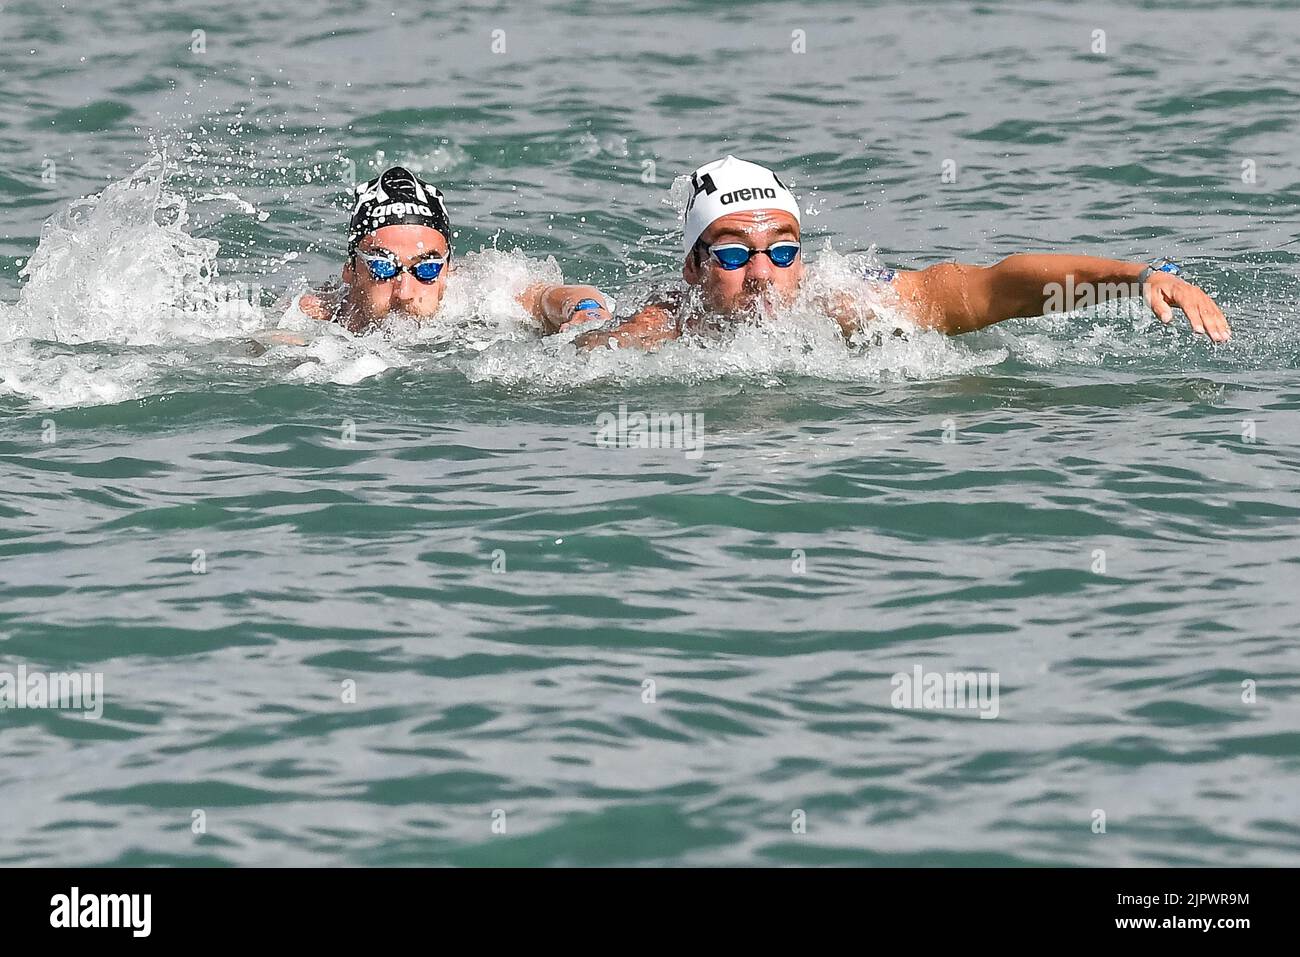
{"x":731,"y":185}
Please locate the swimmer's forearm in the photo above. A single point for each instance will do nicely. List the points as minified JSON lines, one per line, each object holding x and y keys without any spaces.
{"x":276,"y":337}
{"x":958,"y":298}
{"x":847,"y":311}
{"x":1038,"y":283}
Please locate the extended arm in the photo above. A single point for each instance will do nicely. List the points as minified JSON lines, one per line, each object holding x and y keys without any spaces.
{"x":957,"y":298}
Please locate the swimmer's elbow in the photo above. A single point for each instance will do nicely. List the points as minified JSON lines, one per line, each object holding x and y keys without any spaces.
{"x":932,"y":298}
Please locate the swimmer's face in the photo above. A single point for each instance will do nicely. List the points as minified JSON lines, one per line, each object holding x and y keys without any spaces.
{"x":372,"y":299}
{"x":759,"y":281}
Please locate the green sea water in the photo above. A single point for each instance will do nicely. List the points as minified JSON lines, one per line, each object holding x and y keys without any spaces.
{"x":386,"y":600}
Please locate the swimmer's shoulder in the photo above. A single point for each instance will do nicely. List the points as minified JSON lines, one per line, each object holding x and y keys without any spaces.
{"x":905,"y":288}
{"x":906,"y":284}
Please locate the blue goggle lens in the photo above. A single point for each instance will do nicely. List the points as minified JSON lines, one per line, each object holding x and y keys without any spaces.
{"x":381,"y":268}
{"x":783,"y":254}
{"x":733,"y":256}
{"x":730,"y":257}
{"x":427,"y":270}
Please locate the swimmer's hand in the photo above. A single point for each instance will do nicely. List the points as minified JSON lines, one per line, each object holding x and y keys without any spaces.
{"x":585,"y":295}
{"x":556,"y":307}
{"x":317,"y":306}
{"x":1163,"y":291}
{"x":650,"y":327}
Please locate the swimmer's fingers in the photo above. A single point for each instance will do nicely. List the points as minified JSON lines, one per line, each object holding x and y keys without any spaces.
{"x":1216,"y":324}
{"x":314,"y":306}
{"x":1163,"y":292}
{"x":1155,"y":298}
{"x":1202,"y":313}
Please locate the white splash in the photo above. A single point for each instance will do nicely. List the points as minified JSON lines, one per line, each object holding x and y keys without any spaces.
{"x":120,"y":267}
{"x":798,"y":341}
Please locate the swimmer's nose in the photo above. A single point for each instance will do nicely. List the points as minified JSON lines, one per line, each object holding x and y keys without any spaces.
{"x":759,"y":269}
{"x":407,"y":287}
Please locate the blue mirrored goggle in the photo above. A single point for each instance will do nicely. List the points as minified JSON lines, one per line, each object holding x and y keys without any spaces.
{"x":383,"y":268}
{"x":734,"y":255}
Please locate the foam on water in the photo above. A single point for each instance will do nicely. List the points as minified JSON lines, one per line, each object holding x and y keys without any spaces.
{"x":800,"y":340}
{"x":795,"y":345}
{"x":51,"y":377}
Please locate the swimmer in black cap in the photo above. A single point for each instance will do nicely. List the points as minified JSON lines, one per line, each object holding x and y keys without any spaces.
{"x":399,"y":260}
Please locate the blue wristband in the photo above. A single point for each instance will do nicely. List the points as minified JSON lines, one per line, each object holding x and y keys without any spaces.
{"x":1165,"y":265}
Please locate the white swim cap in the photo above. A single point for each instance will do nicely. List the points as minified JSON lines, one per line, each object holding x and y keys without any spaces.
{"x":731,"y":185}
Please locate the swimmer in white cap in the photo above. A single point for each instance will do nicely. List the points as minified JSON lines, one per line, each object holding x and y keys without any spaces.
{"x":743,"y":257}
{"x":399,"y":260}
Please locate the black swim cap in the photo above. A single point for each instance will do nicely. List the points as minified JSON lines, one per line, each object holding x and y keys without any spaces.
{"x":396,"y":197}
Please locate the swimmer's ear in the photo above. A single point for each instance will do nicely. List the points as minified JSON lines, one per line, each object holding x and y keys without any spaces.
{"x":348,"y":273}
{"x":691,"y":269}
